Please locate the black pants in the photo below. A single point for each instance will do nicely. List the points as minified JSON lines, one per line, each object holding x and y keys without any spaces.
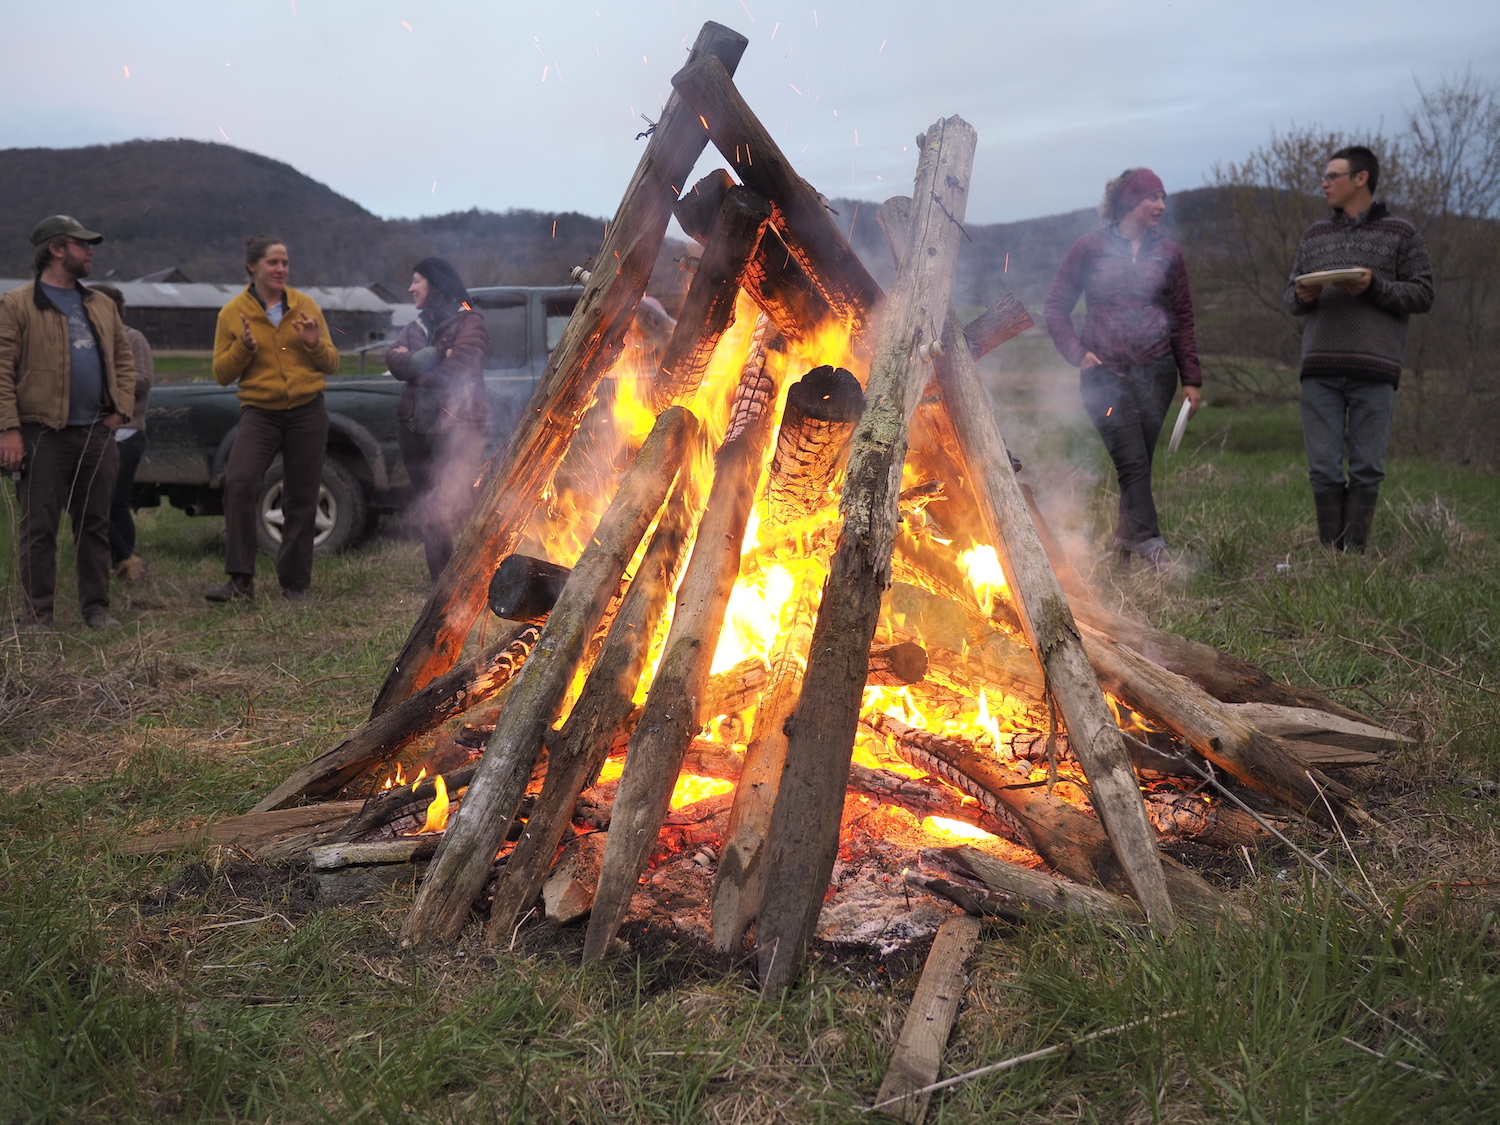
{"x":73,"y":469}
{"x":443,"y":466}
{"x":300,"y":435}
{"x":1128,"y":408}
{"x":121,"y":519}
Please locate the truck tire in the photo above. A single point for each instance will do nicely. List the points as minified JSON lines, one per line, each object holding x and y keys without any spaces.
{"x":341,"y":521}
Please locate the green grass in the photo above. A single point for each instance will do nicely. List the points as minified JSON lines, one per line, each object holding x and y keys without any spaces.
{"x":201,"y":987}
{"x":195,"y":366}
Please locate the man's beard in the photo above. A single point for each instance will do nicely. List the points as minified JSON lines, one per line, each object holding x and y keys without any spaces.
{"x":78,"y":267}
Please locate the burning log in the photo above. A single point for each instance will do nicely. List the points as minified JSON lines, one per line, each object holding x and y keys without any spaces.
{"x":601,"y":714}
{"x":803,"y":838}
{"x":709,"y":309}
{"x":381,"y":738}
{"x":476,"y":830}
{"x":737,"y":688}
{"x":403,"y":800}
{"x":1007,"y":317}
{"x":821,"y":410}
{"x":801,"y":216}
{"x":671,"y":715}
{"x":524,"y":588}
{"x":898,"y":664}
{"x":516,"y":479}
{"x":1048,"y":623}
{"x":1209,"y":727}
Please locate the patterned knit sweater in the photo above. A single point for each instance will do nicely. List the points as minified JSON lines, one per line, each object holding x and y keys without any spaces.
{"x":1364,"y":336}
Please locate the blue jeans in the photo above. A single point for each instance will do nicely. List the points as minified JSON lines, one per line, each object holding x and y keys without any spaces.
{"x":1128,"y":408}
{"x":1346,"y":416}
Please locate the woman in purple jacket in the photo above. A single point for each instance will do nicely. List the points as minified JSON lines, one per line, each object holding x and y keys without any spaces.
{"x":445,"y":409}
{"x":1137,"y":342}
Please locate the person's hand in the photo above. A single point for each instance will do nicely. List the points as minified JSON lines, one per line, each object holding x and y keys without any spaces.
{"x":12,"y":450}
{"x":115,"y":421}
{"x":1356,"y":285}
{"x":1306,"y":293}
{"x":1193,"y":395}
{"x":245,"y":337}
{"x":307,"y":330}
{"x":398,"y":352}
{"x":1090,"y":360}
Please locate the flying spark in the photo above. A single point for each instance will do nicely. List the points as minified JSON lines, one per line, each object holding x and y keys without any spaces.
{"x":815,"y":17}
{"x":434,"y":188}
{"x":544,"y":72}
{"x":793,"y":85}
{"x":406,"y":25}
{"x":856,"y":138}
{"x":774,"y":30}
{"x":882,"y":47}
{"x":748,"y":12}
{"x":127,"y":72}
{"x":226,"y":135}
{"x":1007,"y":263}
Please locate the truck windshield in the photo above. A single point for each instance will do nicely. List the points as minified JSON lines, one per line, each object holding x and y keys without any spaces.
{"x":558,"y":310}
{"x":505,"y":319}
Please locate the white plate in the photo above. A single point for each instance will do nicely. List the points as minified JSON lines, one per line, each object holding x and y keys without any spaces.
{"x":1180,"y":428}
{"x":1328,"y":277}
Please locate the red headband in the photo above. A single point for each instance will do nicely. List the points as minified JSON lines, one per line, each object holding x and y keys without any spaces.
{"x":1142,"y":184}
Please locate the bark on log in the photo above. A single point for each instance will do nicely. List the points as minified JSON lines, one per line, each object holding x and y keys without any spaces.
{"x":381,"y":738}
{"x":407,"y":849}
{"x":821,"y":410}
{"x":1039,"y":891}
{"x":801,"y":217}
{"x":1048,"y":623}
{"x":516,"y":479}
{"x":404,"y":800}
{"x":897,"y":665}
{"x":524,"y":588}
{"x":803,"y":837}
{"x":476,"y":830}
{"x":248,"y":830}
{"x":671,"y":715}
{"x":1007,"y":317}
{"x":1209,"y":727}
{"x":737,"y":688}
{"x":1307,"y":724}
{"x":708,"y":310}
{"x":600,"y":715}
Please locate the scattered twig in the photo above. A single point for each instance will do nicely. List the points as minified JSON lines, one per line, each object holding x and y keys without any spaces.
{"x":1394,"y":1062}
{"x":1418,"y":664}
{"x":1340,"y":829}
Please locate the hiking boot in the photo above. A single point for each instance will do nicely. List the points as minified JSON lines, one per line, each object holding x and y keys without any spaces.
{"x":1359,"y":514}
{"x":293,"y":595}
{"x":101,"y":619}
{"x":239,"y":586}
{"x":1157,"y":557}
{"x":1330,"y":504}
{"x":131,"y":570}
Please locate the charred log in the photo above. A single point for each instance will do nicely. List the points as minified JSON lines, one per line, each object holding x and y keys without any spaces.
{"x":821,"y":410}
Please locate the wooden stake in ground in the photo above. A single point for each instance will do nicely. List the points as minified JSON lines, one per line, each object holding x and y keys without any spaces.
{"x":671,"y":715}
{"x":803,"y":837}
{"x":476,"y":830}
{"x":516,"y":479}
{"x":708,"y":310}
{"x":919,"y":1051}
{"x":1049,"y":626}
{"x":379,"y":739}
{"x":575,"y":753}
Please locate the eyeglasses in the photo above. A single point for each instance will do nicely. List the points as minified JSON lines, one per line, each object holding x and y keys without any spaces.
{"x":1329,"y":177}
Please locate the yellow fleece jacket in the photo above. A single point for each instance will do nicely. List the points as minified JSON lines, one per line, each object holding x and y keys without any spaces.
{"x":282,"y":372}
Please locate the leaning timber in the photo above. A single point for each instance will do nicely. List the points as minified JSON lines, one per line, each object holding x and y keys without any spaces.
{"x":476,"y":830}
{"x":803,"y":837}
{"x":671,"y":715}
{"x":821,"y":410}
{"x":515,"y":481}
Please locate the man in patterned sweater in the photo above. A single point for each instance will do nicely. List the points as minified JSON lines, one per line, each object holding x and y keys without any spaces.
{"x":1353,"y":340}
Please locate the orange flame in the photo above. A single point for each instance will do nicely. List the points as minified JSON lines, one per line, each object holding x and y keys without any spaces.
{"x":437,"y":811}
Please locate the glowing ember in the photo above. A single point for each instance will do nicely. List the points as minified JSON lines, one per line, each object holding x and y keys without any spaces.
{"x":957,"y":829}
{"x":690,"y":789}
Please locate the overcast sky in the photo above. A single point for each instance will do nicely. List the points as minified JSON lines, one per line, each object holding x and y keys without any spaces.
{"x":415,"y":107}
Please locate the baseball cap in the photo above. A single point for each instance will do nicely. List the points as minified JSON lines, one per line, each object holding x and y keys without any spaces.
{"x":54,"y":225}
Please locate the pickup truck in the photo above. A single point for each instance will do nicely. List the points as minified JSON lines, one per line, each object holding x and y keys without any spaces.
{"x":190,"y":427}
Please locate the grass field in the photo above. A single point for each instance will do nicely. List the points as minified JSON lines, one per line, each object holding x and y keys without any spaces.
{"x":200,"y":987}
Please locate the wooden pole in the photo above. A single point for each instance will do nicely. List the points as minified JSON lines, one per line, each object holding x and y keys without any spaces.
{"x":575,"y":753}
{"x":803,"y":837}
{"x":516,"y":479}
{"x":379,"y":739}
{"x":708,"y":311}
{"x":671,"y":716}
{"x":1048,"y":625}
{"x":476,"y":830}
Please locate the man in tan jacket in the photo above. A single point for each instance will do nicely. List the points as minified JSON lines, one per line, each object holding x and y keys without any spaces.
{"x":67,"y":382}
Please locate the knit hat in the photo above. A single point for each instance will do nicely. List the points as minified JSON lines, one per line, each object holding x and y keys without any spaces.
{"x":441,"y":275}
{"x":1140,"y":185}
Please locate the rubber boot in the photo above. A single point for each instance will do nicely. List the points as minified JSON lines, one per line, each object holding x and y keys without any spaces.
{"x":1359,"y":514}
{"x":239,"y":587}
{"x":1329,"y":503}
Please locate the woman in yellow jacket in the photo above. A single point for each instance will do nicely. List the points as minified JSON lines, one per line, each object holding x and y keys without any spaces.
{"x":273,"y":341}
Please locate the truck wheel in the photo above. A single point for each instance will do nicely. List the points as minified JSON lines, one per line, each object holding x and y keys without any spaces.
{"x":341,"y":518}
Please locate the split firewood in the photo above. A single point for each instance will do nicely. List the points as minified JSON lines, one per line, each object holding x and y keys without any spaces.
{"x":405,"y":849}
{"x":1046,"y":620}
{"x":601,"y":716}
{"x":476,"y":830}
{"x":1216,"y":823}
{"x":568,"y":892}
{"x":802,"y":842}
{"x":1308,"y":724}
{"x":919,"y":1049}
{"x":801,"y":215}
{"x":1007,"y":317}
{"x":1073,"y":843}
{"x":250,"y":830}
{"x":671,"y":715}
{"x":897,"y":665}
{"x":524,"y":588}
{"x":1037,"y":890}
{"x":468,"y":684}
{"x":708,"y":311}
{"x":968,"y":896}
{"x":1209,"y":727}
{"x":821,"y":410}
{"x":516,"y":479}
